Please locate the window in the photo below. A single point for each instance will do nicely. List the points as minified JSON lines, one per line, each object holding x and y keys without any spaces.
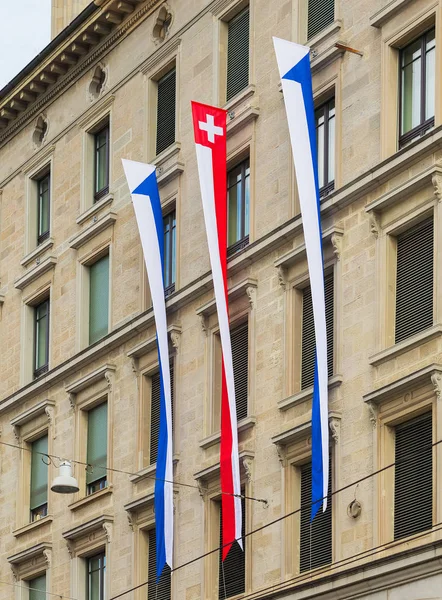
{"x":155,"y":413}
{"x":166,"y":107}
{"x":232,"y":573}
{"x":414,"y":280}
{"x":162,"y":590}
{"x":239,"y":337}
{"x":37,"y":588}
{"x":98,"y":299}
{"x":238,"y":54}
{"x":41,"y":338}
{"x":169,"y":223}
{"x":413,"y":481}
{"x":95,"y":581}
{"x":101,"y":176}
{"x":43,"y":208}
{"x":308,"y":351}
{"x":325,"y":142}
{"x":315,"y":537}
{"x":96,"y":478}
{"x":417,"y":87}
{"x":238,"y":198}
{"x":321,"y":13}
{"x":39,"y":479}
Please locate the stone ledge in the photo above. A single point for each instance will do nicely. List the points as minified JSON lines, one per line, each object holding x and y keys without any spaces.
{"x":150,"y":471}
{"x":97,"y":226}
{"x":235,"y":292}
{"x":34,"y":273}
{"x":32,"y":413}
{"x":150,"y":344}
{"x":87,"y":500}
{"x":387,"y":12}
{"x":215,"y":438}
{"x":37,"y":252}
{"x":307,"y":394}
{"x":87,"y":528}
{"x":241,"y":109}
{"x":29,"y":553}
{"x":213,"y":470}
{"x":302,"y":431}
{"x":47,"y":520}
{"x":90,"y":212}
{"x":168,"y":164}
{"x":406,"y":345}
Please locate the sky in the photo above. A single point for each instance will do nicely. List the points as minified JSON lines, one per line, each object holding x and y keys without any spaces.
{"x":24,"y":31}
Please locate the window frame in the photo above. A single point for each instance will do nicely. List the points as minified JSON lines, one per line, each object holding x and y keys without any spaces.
{"x":33,"y":515}
{"x":38,"y":372}
{"x":329,"y":185}
{"x":102,"y":482}
{"x":170,"y":220}
{"x":90,"y":263}
{"x":34,"y":577}
{"x":243,"y":242}
{"x":103,"y":191}
{"x":243,"y":9}
{"x":163,"y":76}
{"x":101,"y":556}
{"x":43,"y":236}
{"x":425,"y":124}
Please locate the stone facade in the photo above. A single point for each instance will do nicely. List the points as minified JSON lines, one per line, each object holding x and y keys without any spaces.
{"x":379,"y":191}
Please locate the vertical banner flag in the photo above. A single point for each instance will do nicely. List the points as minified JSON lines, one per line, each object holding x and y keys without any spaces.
{"x":294,"y":69}
{"x":143,"y":187}
{"x":209,"y":125}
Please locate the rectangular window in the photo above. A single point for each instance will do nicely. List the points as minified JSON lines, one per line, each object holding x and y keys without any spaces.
{"x":37,"y":588}
{"x":321,"y":13}
{"x":240,"y":355}
{"x":308,"y":349}
{"x":101,"y":178}
{"x":99,"y":299}
{"x":413,"y":477}
{"x":96,"y":577}
{"x":162,"y":590}
{"x":417,"y":87}
{"x":43,"y":208}
{"x":315,"y":537}
{"x":238,"y":200}
{"x":232,"y":573}
{"x":169,"y":224}
{"x":238,"y":54}
{"x":41,"y":338}
{"x":155,"y":413}
{"x":96,"y":476}
{"x":325,"y":142}
{"x":414,"y":280}
{"x":39,"y":479}
{"x":166,"y":108}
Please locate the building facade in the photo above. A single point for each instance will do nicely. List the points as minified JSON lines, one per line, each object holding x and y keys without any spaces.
{"x":79,"y":368}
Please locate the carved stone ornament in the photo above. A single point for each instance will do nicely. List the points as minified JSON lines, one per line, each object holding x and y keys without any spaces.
{"x":41,"y":131}
{"x":282,"y":453}
{"x":47,"y":553}
{"x":98,"y":81}
{"x":373,"y":410}
{"x":335,"y":428}
{"x":251,"y":294}
{"x":202,"y":488}
{"x":108,"y":377}
{"x":436,"y":180}
{"x":162,"y":24}
{"x":108,"y":531}
{"x":15,"y":573}
{"x":436,"y":380}
{"x":203,"y":321}
{"x":71,"y":548}
{"x":336,"y":241}
{"x":247,"y":462}
{"x":281,"y":276}
{"x":71,"y":400}
{"x":130,"y":520}
{"x":175,"y":339}
{"x":175,"y":500}
{"x":134,"y":364}
{"x":375,"y":227}
{"x":16,"y":431}
{"x":50,"y":414}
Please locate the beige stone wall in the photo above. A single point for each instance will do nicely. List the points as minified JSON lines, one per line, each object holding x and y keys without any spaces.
{"x":357,"y":255}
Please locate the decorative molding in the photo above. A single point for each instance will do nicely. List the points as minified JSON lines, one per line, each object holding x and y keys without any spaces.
{"x":282,"y":276}
{"x":336,"y":241}
{"x":211,"y":472}
{"x":292,"y":257}
{"x":37,"y":252}
{"x":300,"y":432}
{"x":130,"y":520}
{"x":203,"y":489}
{"x":387,"y":12}
{"x":96,"y":227}
{"x":43,"y":407}
{"x":168,"y":164}
{"x":150,"y":344}
{"x":40,"y":268}
{"x":39,"y":550}
{"x":373,"y":410}
{"x":74,"y":388}
{"x":215,"y":438}
{"x":47,"y":553}
{"x":107,"y":526}
{"x":85,"y":529}
{"x":164,"y":54}
{"x":281,"y":451}
{"x":436,"y":380}
{"x":307,"y":394}
{"x":244,"y":287}
{"x":406,"y":345}
{"x":334,"y":423}
{"x":374,"y":224}
{"x":251,"y":294}
{"x":247,"y":462}
{"x":175,"y":337}
{"x":91,"y":212}
{"x":203,"y":323}
{"x":436,"y":180}
{"x":38,"y":160}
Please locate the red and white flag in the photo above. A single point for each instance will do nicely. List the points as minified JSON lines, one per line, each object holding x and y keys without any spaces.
{"x":209,"y":125}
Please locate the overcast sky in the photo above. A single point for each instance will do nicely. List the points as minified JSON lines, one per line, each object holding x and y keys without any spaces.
{"x":25,"y":29}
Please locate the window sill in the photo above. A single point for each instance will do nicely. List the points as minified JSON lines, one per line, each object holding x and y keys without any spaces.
{"x":215,"y":438}
{"x":34,"y":273}
{"x":386,"y":13}
{"x":91,"y":498}
{"x":97,"y":225}
{"x":150,"y":471}
{"x":90,"y":212}
{"x":406,"y":345}
{"x":307,"y":394}
{"x":37,"y":252}
{"x":47,"y":520}
{"x":169,"y":164}
{"x":241,"y":109}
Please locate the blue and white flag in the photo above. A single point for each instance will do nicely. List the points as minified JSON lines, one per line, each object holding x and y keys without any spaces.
{"x":294,"y":69}
{"x":143,"y":187}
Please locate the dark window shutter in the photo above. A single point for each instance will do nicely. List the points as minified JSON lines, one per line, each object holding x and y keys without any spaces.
{"x":162,"y":590}
{"x":238,"y":54}
{"x":240,"y":356}
{"x":315,"y":537}
{"x":166,"y":111}
{"x":321,"y":13}
{"x":413,"y":480}
{"x":414,"y":280}
{"x":155,"y":412}
{"x":232,"y":574}
{"x":308,"y":332}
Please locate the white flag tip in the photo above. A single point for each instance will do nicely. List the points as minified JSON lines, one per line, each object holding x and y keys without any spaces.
{"x":136,"y":172}
{"x":288,"y":54}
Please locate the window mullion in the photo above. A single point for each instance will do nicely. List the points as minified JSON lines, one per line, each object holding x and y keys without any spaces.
{"x":423,"y":78}
{"x":326,"y":136}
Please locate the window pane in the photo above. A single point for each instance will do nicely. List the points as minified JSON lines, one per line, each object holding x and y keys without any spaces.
{"x":238,"y":201}
{"x":43,"y":206}
{"x":238,"y":54}
{"x":39,"y":475}
{"x":97,"y":443}
{"x":37,"y":588}
{"x":411,"y":86}
{"x":41,"y":335}
{"x":429,"y":83}
{"x":96,"y":569}
{"x":233,"y":207}
{"x":320,"y":134}
{"x":247,"y":203}
{"x":99,"y":299}
{"x":331,"y":142}
{"x":101,"y":159}
{"x":166,"y":109}
{"x":169,"y":224}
